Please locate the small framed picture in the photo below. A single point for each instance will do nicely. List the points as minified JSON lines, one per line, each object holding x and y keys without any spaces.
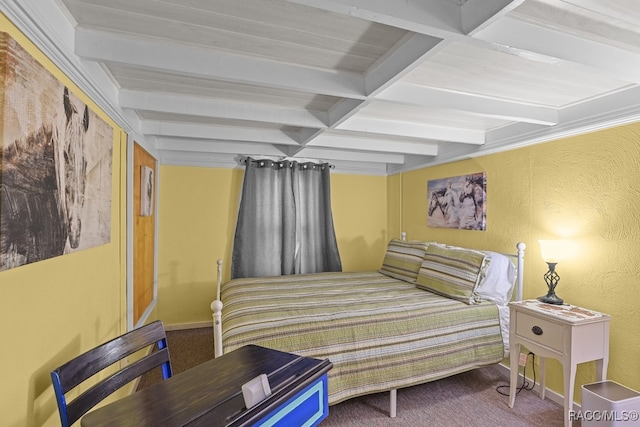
{"x":146,"y":191}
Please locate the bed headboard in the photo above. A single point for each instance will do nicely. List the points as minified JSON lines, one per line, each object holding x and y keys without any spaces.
{"x":518,"y":257}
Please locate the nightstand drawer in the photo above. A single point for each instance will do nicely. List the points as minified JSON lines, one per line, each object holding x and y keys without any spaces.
{"x":539,"y":330}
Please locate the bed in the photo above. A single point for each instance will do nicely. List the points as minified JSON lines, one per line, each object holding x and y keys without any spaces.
{"x":429,"y":312}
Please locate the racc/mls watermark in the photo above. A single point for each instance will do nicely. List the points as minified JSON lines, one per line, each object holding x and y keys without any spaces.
{"x":604,"y":415}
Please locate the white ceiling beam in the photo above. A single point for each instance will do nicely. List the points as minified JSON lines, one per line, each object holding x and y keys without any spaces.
{"x":437,"y":18}
{"x":216,"y":146}
{"x":346,"y":155}
{"x":413,"y":130}
{"x":371,"y":143}
{"x":172,"y":57}
{"x":344,"y":109}
{"x":478,"y":14}
{"x":193,"y":158}
{"x":400,"y":61}
{"x":393,"y":66}
{"x":605,"y":59}
{"x":204,"y":131}
{"x":441,"y":19}
{"x":615,"y":109}
{"x":206,"y":107}
{"x":423,"y":96}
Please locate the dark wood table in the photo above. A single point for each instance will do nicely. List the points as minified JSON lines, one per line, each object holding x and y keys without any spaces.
{"x":210,"y":394}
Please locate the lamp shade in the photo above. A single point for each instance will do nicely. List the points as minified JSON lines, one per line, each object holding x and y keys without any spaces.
{"x":555,"y":250}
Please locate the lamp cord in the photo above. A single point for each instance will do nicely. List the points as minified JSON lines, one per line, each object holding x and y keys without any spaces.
{"x":525,"y":384}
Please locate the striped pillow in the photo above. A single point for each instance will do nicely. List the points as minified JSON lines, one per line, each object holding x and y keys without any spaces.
{"x":452,"y":272}
{"x":403,"y":258}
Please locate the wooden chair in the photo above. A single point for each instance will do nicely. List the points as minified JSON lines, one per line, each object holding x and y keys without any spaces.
{"x":74,"y":372}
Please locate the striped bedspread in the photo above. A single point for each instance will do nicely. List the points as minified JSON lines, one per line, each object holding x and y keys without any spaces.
{"x":380,"y":333}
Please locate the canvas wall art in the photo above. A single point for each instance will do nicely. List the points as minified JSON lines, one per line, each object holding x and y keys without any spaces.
{"x":55,"y":164}
{"x":458,"y":202}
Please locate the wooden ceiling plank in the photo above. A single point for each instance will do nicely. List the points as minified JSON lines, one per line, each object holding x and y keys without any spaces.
{"x":203,"y":131}
{"x":423,"y":96}
{"x":105,"y":46}
{"x":216,"y":146}
{"x":437,"y":18}
{"x":350,"y":155}
{"x":413,"y":130}
{"x":400,"y":61}
{"x":478,"y":14}
{"x":522,"y":36}
{"x":388,"y":145}
{"x":206,"y":107}
{"x":258,"y":29}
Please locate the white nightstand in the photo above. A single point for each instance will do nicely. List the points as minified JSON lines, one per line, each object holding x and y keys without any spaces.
{"x":568,"y":333}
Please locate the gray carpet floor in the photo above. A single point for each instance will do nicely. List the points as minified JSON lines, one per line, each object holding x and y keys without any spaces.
{"x":467,"y":399}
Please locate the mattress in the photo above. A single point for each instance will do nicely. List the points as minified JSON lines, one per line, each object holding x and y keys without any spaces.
{"x":380,"y":333}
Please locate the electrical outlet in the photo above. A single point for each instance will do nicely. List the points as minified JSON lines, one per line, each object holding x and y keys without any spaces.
{"x":523,"y":359}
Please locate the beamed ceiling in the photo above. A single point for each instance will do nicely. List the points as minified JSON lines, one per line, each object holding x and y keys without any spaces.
{"x":373,"y":86}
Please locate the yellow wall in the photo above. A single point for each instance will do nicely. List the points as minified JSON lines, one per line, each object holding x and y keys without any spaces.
{"x":197,"y":211}
{"x":197,"y":214}
{"x":584,"y":188}
{"x":359,"y":205}
{"x":52,"y":310}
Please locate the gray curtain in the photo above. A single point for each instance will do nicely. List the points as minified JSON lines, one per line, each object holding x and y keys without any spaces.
{"x":285,"y":224}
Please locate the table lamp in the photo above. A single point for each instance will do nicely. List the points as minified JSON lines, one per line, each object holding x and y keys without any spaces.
{"x":552,"y":251}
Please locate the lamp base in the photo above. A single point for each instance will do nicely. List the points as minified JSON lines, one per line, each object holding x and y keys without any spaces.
{"x":551,"y":298}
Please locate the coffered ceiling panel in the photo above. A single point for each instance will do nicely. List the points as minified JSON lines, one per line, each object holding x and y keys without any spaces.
{"x":375,"y":86}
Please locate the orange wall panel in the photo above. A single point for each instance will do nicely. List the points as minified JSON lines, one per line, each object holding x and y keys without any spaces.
{"x":143,"y":237}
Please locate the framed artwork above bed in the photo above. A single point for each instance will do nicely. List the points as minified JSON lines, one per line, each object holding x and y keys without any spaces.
{"x":458,"y":202}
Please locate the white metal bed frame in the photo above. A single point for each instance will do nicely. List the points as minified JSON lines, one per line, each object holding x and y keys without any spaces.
{"x":216,"y":307}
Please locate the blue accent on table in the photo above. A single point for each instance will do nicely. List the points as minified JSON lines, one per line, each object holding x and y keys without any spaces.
{"x":307,"y":408}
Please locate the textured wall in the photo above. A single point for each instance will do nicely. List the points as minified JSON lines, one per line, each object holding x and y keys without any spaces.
{"x":197,"y":218}
{"x":53,"y":310}
{"x":584,"y":188}
{"x":197,"y":211}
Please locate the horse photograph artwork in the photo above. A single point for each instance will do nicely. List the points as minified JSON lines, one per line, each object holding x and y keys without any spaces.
{"x":55,"y":165}
{"x":458,"y":202}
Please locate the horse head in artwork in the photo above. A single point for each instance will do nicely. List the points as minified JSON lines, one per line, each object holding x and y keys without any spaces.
{"x":71,"y":167}
{"x":436,"y":201}
{"x":474,"y":191}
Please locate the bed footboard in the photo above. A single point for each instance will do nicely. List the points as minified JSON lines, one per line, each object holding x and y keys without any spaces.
{"x":216,"y":307}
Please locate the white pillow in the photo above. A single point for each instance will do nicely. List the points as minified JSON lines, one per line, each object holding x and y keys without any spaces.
{"x":498,"y":283}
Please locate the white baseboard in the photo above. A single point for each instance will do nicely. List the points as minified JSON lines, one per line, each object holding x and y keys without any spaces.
{"x":550,"y":394}
{"x":192,"y":325}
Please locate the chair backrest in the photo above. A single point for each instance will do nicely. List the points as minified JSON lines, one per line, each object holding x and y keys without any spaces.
{"x":74,"y":372}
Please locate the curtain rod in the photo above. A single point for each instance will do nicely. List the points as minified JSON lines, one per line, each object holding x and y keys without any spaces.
{"x":243,"y":160}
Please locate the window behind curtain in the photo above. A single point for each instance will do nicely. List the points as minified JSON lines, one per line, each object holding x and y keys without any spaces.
{"x":285,"y":224}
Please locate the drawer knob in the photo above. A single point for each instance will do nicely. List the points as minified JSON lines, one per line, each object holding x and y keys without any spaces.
{"x":537,"y":330}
